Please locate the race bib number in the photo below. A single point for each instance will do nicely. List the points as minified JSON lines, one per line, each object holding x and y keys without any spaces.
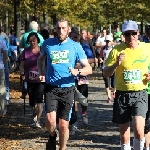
{"x":60,"y":56}
{"x":33,"y":75}
{"x":132,"y":76}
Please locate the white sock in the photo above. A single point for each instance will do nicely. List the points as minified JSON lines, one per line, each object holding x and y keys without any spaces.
{"x":126,"y":146}
{"x":138,"y":144}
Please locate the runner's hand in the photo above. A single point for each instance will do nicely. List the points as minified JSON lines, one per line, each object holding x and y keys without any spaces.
{"x":42,"y":78}
{"x":74,"y":72}
{"x":101,"y":60}
{"x":120,"y":58}
{"x":22,"y":77}
{"x":147,"y":76}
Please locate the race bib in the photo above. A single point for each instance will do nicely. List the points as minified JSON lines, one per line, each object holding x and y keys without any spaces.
{"x":60,"y":56}
{"x":33,"y":75}
{"x":82,"y":80}
{"x":132,"y":76}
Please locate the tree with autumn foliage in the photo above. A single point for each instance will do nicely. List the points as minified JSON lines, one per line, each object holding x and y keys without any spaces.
{"x":83,"y":13}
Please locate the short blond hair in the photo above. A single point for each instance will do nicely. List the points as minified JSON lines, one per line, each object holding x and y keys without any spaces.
{"x":63,"y":20}
{"x":33,"y":25}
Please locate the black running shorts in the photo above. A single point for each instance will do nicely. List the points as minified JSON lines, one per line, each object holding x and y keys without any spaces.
{"x":61,"y":98}
{"x":35,"y":92}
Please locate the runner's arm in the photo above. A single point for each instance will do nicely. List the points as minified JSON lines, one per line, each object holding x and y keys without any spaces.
{"x":22,"y":67}
{"x":86,"y":70}
{"x":109,"y":70}
{"x":41,"y":64}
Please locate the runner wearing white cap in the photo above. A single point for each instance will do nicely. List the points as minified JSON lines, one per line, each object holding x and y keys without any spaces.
{"x":109,"y":81}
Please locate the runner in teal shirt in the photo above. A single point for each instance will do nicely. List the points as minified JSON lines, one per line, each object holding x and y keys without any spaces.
{"x":33,"y":28}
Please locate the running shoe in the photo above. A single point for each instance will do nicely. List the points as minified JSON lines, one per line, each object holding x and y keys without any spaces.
{"x":37,"y":124}
{"x":57,"y":133}
{"x":73,"y":128}
{"x":7,"y":96}
{"x":35,"y":119}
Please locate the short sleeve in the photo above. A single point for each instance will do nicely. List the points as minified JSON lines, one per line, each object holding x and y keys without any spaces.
{"x":111,"y":58}
{"x":16,"y":40}
{"x":80,"y":53}
{"x":98,"y":40}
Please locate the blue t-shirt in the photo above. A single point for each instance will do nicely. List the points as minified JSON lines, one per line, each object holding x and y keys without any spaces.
{"x":145,"y":39}
{"x":13,"y":42}
{"x":7,"y":44}
{"x":61,"y":57}
{"x":87,"y":50}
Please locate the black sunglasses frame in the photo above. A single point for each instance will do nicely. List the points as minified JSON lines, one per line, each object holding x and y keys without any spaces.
{"x":130,"y":33}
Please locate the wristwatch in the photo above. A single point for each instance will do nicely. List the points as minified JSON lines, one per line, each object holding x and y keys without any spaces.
{"x":79,"y":72}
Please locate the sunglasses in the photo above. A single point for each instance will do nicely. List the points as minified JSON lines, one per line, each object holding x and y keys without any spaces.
{"x":130,"y":33}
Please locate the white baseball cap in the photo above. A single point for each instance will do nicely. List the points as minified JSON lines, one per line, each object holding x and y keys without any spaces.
{"x":109,"y":38}
{"x":129,"y":25}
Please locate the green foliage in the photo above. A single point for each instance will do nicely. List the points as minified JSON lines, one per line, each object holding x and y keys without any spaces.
{"x":92,"y":13}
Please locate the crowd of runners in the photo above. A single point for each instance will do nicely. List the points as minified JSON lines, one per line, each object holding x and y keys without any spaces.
{"x":54,"y":72}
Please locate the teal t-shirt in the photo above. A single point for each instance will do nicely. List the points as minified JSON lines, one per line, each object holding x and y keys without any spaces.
{"x":24,"y":39}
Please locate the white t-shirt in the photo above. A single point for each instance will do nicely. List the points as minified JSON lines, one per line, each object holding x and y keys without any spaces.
{"x":106,"y":52}
{"x":2,"y":47}
{"x":101,"y":41}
